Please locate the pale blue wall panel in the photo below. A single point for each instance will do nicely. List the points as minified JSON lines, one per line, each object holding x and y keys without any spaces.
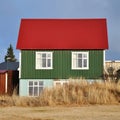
{"x":23,"y":88}
{"x":24,"y":83}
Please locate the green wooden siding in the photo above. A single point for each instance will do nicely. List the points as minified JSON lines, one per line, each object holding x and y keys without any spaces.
{"x":61,"y":66}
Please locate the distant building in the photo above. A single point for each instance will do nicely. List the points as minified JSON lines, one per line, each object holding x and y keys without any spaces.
{"x":9,"y":77}
{"x":115,"y":64}
{"x":112,"y":70}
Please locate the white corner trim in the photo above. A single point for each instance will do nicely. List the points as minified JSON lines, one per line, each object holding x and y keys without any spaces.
{"x":20,"y":64}
{"x":6,"y":81}
{"x":104,"y":58}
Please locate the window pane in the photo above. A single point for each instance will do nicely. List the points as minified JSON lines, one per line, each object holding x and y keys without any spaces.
{"x":74,"y":63}
{"x":38,"y":55}
{"x":58,"y":84}
{"x":49,"y":55}
{"x":43,"y":62}
{"x":74,"y":56}
{"x":30,"y":83}
{"x":84,"y":55}
{"x":65,"y":84}
{"x":40,"y":90}
{"x":40,"y":83}
{"x":35,"y":83}
{"x":49,"y":63}
{"x":30,"y":91}
{"x":43,"y":55}
{"x":35,"y":91}
{"x":79,"y":55}
{"x":40,"y":62}
{"x":85,"y":62}
{"x":79,"y":63}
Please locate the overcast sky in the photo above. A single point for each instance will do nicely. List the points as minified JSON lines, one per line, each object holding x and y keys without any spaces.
{"x":11,"y":12}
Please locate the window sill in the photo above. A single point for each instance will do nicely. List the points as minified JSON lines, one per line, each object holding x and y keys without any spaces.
{"x":80,"y":68}
{"x":44,"y":68}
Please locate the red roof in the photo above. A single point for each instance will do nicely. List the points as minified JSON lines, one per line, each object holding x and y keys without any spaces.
{"x":63,"y":34}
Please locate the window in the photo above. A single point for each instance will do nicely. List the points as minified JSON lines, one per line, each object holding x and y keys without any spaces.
{"x":35,"y":88}
{"x":80,"y":60}
{"x":43,"y":60}
{"x":61,"y":83}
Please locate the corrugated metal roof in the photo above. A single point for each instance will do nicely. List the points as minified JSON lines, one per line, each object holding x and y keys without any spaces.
{"x":63,"y":34}
{"x":3,"y":71}
{"x":9,"y":65}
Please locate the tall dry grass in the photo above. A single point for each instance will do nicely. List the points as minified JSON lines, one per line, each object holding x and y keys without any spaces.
{"x":81,"y":92}
{"x":74,"y":93}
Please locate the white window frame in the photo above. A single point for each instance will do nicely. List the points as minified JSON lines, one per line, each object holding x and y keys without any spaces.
{"x":38,"y":66}
{"x":80,"y":68}
{"x":33,"y":86}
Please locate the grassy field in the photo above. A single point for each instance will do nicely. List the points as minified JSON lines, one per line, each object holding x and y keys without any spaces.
{"x":75,"y":101}
{"x":92,"y":112}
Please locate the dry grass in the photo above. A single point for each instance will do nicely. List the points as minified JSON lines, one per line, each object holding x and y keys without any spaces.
{"x":74,"y":93}
{"x":96,"y":112}
{"x":82,"y":93}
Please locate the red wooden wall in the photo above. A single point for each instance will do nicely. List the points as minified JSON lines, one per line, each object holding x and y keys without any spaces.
{"x":2,"y":83}
{"x":12,"y":82}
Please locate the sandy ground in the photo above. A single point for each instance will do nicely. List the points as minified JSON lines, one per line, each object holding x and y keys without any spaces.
{"x":95,"y":112}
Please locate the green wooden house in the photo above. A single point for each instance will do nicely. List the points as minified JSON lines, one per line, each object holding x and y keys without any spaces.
{"x":54,"y":50}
